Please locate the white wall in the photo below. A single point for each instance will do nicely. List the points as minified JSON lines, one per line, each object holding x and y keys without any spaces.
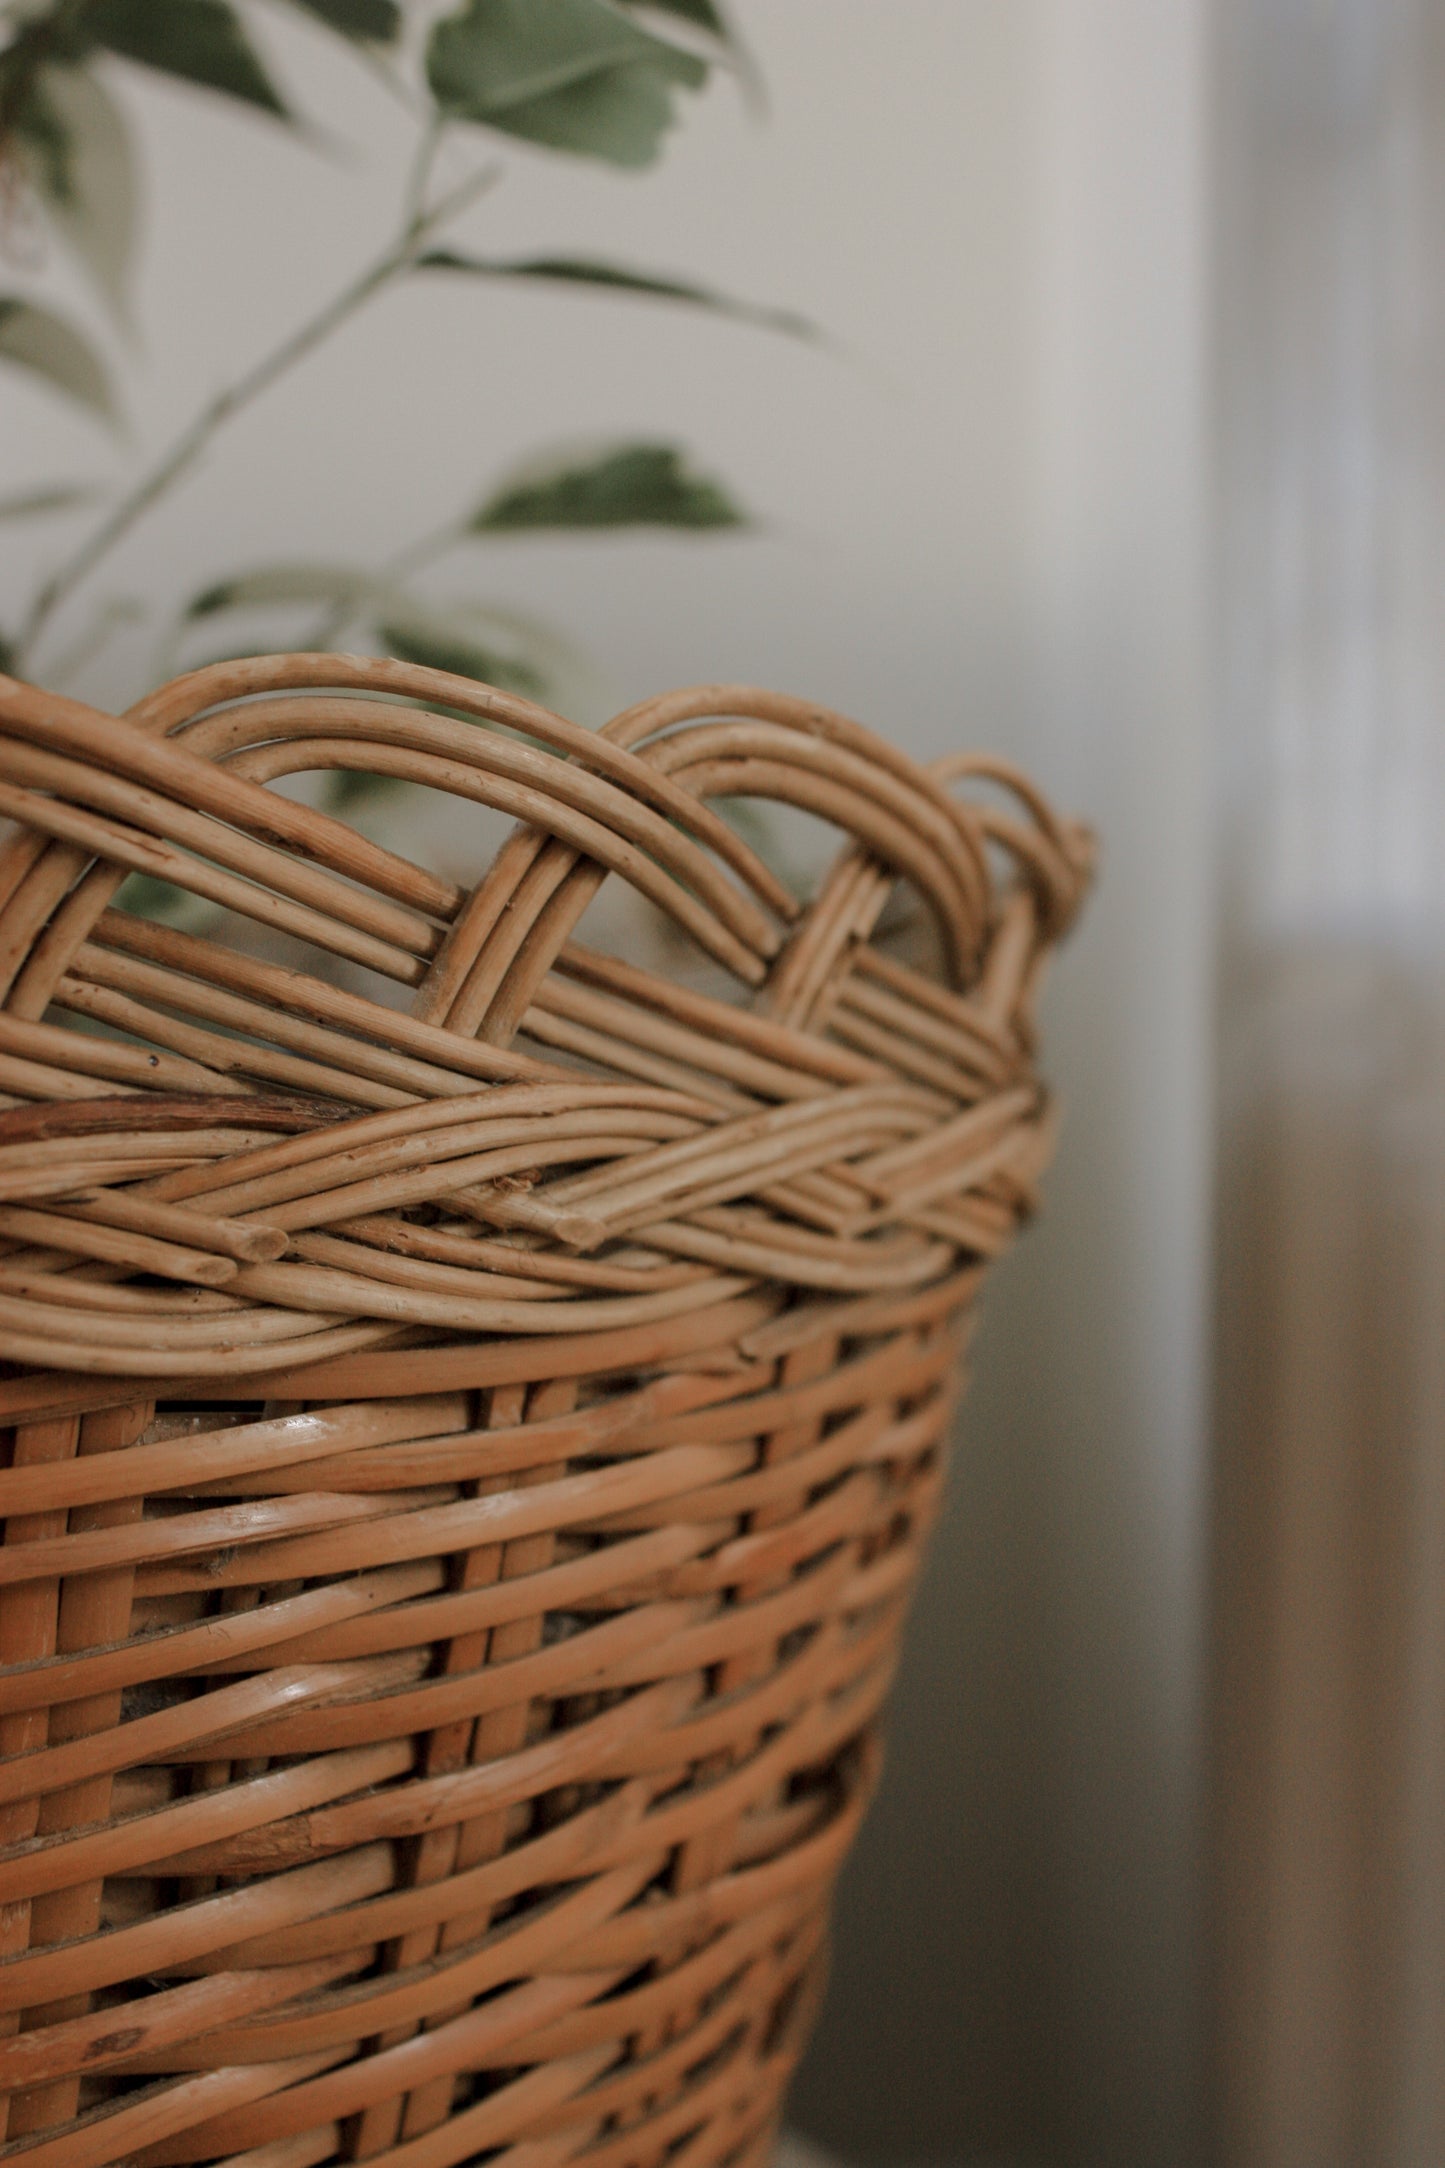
{"x":982,"y":526}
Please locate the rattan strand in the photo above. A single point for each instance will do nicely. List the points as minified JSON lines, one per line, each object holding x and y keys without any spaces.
{"x":469,"y":1450}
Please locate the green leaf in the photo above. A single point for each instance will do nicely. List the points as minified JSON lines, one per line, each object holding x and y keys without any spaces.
{"x":575,"y":75}
{"x":38,"y":134}
{"x":371,"y":22}
{"x":700,"y":12}
{"x":164,"y":905}
{"x":630,"y":485}
{"x":200,"y":41}
{"x":457,"y":636}
{"x":617,"y":278}
{"x":37,"y":339}
{"x":439,"y":649}
{"x":59,"y":497}
{"x":346,"y":790}
{"x":333,"y":586}
{"x":715,"y":22}
{"x":146,"y":897}
{"x":76,"y":149}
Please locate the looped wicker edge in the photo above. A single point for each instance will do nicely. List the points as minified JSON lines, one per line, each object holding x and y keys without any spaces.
{"x":468,"y":1461}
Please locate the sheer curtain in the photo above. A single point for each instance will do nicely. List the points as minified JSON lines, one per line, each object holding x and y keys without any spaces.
{"x":1329,"y":1703}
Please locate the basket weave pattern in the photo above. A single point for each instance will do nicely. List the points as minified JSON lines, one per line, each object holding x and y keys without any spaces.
{"x":468,"y":1451}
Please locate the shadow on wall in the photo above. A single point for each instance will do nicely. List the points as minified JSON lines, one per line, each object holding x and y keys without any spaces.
{"x":941,"y":1954}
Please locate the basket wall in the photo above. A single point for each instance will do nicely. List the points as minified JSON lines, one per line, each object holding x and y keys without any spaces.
{"x":468,"y":1460}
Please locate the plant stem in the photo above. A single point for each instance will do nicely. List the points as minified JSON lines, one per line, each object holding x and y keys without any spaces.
{"x":189,"y":445}
{"x":328,"y":629}
{"x":105,"y":623}
{"x":417,"y":225}
{"x":408,"y":560}
{"x":414,"y":193}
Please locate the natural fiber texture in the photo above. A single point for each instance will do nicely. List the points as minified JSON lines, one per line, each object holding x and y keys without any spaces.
{"x":469,"y":1458}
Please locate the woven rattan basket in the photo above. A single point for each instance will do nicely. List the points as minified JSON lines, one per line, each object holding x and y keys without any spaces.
{"x":469,"y":1452}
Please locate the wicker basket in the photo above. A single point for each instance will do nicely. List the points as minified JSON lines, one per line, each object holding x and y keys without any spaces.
{"x":468,"y":1459}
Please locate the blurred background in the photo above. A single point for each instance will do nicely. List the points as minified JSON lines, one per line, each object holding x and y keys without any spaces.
{"x":1122,"y":455}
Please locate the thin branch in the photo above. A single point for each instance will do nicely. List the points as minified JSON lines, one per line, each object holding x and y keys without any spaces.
{"x":419,"y":178}
{"x":328,"y":628}
{"x":425,"y":550}
{"x":417,"y":226}
{"x":106,"y":622}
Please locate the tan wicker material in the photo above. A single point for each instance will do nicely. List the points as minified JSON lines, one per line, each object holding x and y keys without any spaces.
{"x":469,"y":1452}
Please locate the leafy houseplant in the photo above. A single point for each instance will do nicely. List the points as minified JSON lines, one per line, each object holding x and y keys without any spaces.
{"x":593,"y":80}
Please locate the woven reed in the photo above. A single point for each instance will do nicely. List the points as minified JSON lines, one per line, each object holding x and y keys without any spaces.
{"x":468,"y":1461}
